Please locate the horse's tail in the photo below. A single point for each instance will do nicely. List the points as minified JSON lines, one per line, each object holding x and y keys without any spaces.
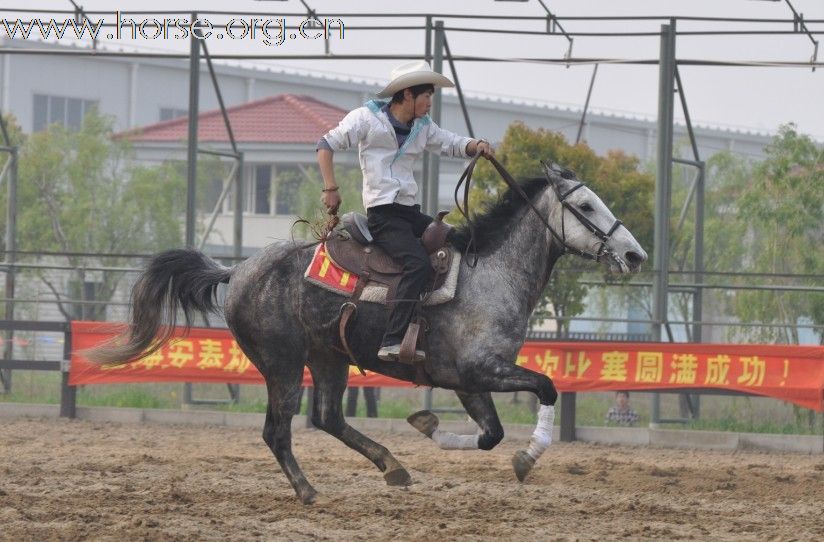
{"x":182,"y":279}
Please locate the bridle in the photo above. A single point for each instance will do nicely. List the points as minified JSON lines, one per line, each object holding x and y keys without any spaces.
{"x":585,"y":222}
{"x":562,"y":199}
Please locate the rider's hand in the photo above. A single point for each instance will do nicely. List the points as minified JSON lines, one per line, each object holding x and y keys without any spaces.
{"x":331,"y":199}
{"x":484,"y":148}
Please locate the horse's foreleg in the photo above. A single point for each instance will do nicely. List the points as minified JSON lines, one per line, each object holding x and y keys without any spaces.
{"x":498,"y":375}
{"x":330,"y":383}
{"x":480,"y":407}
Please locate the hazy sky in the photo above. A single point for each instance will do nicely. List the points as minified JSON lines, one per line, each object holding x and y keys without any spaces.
{"x":743,"y":97}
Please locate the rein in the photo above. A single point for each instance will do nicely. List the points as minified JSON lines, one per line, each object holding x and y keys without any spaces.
{"x":513,"y":184}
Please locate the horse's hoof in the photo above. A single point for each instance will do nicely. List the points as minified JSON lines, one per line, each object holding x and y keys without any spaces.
{"x":398,"y":477}
{"x":522,"y":462}
{"x":309,"y":496}
{"x":424,"y":421}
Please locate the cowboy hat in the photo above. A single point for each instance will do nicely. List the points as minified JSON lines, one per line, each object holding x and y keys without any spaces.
{"x":411,"y":74}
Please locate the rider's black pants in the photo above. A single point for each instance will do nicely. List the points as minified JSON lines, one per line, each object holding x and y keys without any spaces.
{"x":397,"y":228}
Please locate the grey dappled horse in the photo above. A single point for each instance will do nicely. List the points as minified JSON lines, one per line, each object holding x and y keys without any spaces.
{"x":283,"y":323}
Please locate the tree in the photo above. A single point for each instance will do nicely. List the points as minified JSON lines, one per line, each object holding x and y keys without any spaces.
{"x":309,"y":206}
{"x":616,"y":178}
{"x":80,"y":193}
{"x":16,"y":138}
{"x":781,"y":209}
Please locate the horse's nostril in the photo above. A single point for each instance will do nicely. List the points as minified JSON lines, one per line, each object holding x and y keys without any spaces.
{"x":633,"y":258}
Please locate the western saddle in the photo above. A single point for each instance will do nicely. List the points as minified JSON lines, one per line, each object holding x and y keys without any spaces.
{"x":352,"y":249}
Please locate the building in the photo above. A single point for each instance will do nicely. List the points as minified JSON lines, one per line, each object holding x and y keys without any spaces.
{"x":278,"y":116}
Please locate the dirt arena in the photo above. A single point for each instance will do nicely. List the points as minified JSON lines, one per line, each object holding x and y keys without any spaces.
{"x":77,"y":480}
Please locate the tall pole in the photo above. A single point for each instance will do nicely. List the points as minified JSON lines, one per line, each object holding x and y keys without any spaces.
{"x":425,"y":164}
{"x":698,"y":295}
{"x":433,"y":161}
{"x":238,"y":218}
{"x":586,"y":106}
{"x":11,"y":257}
{"x":191,"y":154}
{"x":430,"y":206}
{"x":663,"y":189}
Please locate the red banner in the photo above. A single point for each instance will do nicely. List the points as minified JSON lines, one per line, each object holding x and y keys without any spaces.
{"x":789,"y":373}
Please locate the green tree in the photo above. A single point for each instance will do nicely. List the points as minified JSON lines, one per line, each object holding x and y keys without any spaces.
{"x":779,"y":213}
{"x":16,"y":138}
{"x":616,"y":178}
{"x":309,"y":206}
{"x":80,"y":193}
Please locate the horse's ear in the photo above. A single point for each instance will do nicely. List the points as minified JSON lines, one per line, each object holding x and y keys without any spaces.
{"x":556,"y":174}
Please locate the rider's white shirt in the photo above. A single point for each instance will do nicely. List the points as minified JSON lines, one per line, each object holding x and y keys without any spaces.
{"x":387,"y":170}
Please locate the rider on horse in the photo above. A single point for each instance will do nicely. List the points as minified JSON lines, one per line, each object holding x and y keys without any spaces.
{"x":391,"y":135}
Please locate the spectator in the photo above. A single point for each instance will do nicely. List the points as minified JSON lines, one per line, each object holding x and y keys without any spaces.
{"x":621,"y":413}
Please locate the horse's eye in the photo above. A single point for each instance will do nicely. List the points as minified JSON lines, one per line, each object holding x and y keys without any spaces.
{"x":586,"y":207}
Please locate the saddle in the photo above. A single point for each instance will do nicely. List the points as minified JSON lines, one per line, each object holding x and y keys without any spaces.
{"x":352,"y":250}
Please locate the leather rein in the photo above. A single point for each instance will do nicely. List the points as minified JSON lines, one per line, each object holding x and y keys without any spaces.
{"x":562,"y":198}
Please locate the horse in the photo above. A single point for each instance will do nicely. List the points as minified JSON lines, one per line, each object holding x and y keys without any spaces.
{"x":283,"y":323}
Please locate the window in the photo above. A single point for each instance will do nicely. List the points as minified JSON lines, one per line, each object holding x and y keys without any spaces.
{"x":270,"y":190}
{"x":263,"y":189}
{"x":169,"y":113}
{"x":67,"y":112}
{"x":287,"y":186}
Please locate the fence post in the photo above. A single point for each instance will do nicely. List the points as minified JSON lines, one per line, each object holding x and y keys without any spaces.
{"x":68,"y":394}
{"x":567,"y":416}
{"x":310,"y":406}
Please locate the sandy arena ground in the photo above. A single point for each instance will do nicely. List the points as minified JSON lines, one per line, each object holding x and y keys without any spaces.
{"x":77,"y":480}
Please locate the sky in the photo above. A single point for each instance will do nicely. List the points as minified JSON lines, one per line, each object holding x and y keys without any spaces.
{"x":749,"y":98}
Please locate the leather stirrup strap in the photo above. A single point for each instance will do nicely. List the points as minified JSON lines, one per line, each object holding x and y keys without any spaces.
{"x":347,"y":310}
{"x":409,"y":343}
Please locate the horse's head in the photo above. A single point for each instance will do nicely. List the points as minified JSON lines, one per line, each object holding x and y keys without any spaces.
{"x":586,"y":226}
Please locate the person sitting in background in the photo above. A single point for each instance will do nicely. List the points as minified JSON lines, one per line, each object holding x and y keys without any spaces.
{"x":621,"y":413}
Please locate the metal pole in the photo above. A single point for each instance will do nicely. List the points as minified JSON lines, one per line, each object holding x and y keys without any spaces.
{"x":686,"y":111}
{"x":431,"y":162}
{"x":567,"y":416}
{"x":68,"y":394}
{"x":431,"y":204}
{"x":425,"y":165}
{"x":238,"y":218}
{"x":11,"y":257}
{"x":586,"y":105}
{"x":220,"y":98}
{"x":458,"y":88}
{"x":663,"y":187}
{"x":698,"y":295}
{"x":191,"y":155}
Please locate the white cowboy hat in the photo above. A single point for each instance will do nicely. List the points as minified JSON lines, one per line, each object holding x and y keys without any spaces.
{"x":411,"y":74}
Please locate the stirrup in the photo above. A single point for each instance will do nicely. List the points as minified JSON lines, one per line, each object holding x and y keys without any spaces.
{"x":392,"y":352}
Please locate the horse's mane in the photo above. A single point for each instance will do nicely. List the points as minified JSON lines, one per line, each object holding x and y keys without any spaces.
{"x":491,"y":223}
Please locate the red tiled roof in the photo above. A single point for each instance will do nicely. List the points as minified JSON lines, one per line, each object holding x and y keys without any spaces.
{"x":285,"y":118}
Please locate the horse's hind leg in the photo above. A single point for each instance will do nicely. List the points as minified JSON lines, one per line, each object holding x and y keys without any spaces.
{"x":330,"y":382}
{"x":480,"y":408}
{"x":284,"y":398}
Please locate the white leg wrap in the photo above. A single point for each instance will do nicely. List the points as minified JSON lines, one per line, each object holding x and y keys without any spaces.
{"x":542,"y":436}
{"x":451,"y":441}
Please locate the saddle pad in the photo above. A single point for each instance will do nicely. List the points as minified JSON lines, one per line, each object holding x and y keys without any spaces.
{"x":323,"y":272}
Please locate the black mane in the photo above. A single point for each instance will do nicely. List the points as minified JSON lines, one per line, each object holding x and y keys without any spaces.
{"x":491,"y":224}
